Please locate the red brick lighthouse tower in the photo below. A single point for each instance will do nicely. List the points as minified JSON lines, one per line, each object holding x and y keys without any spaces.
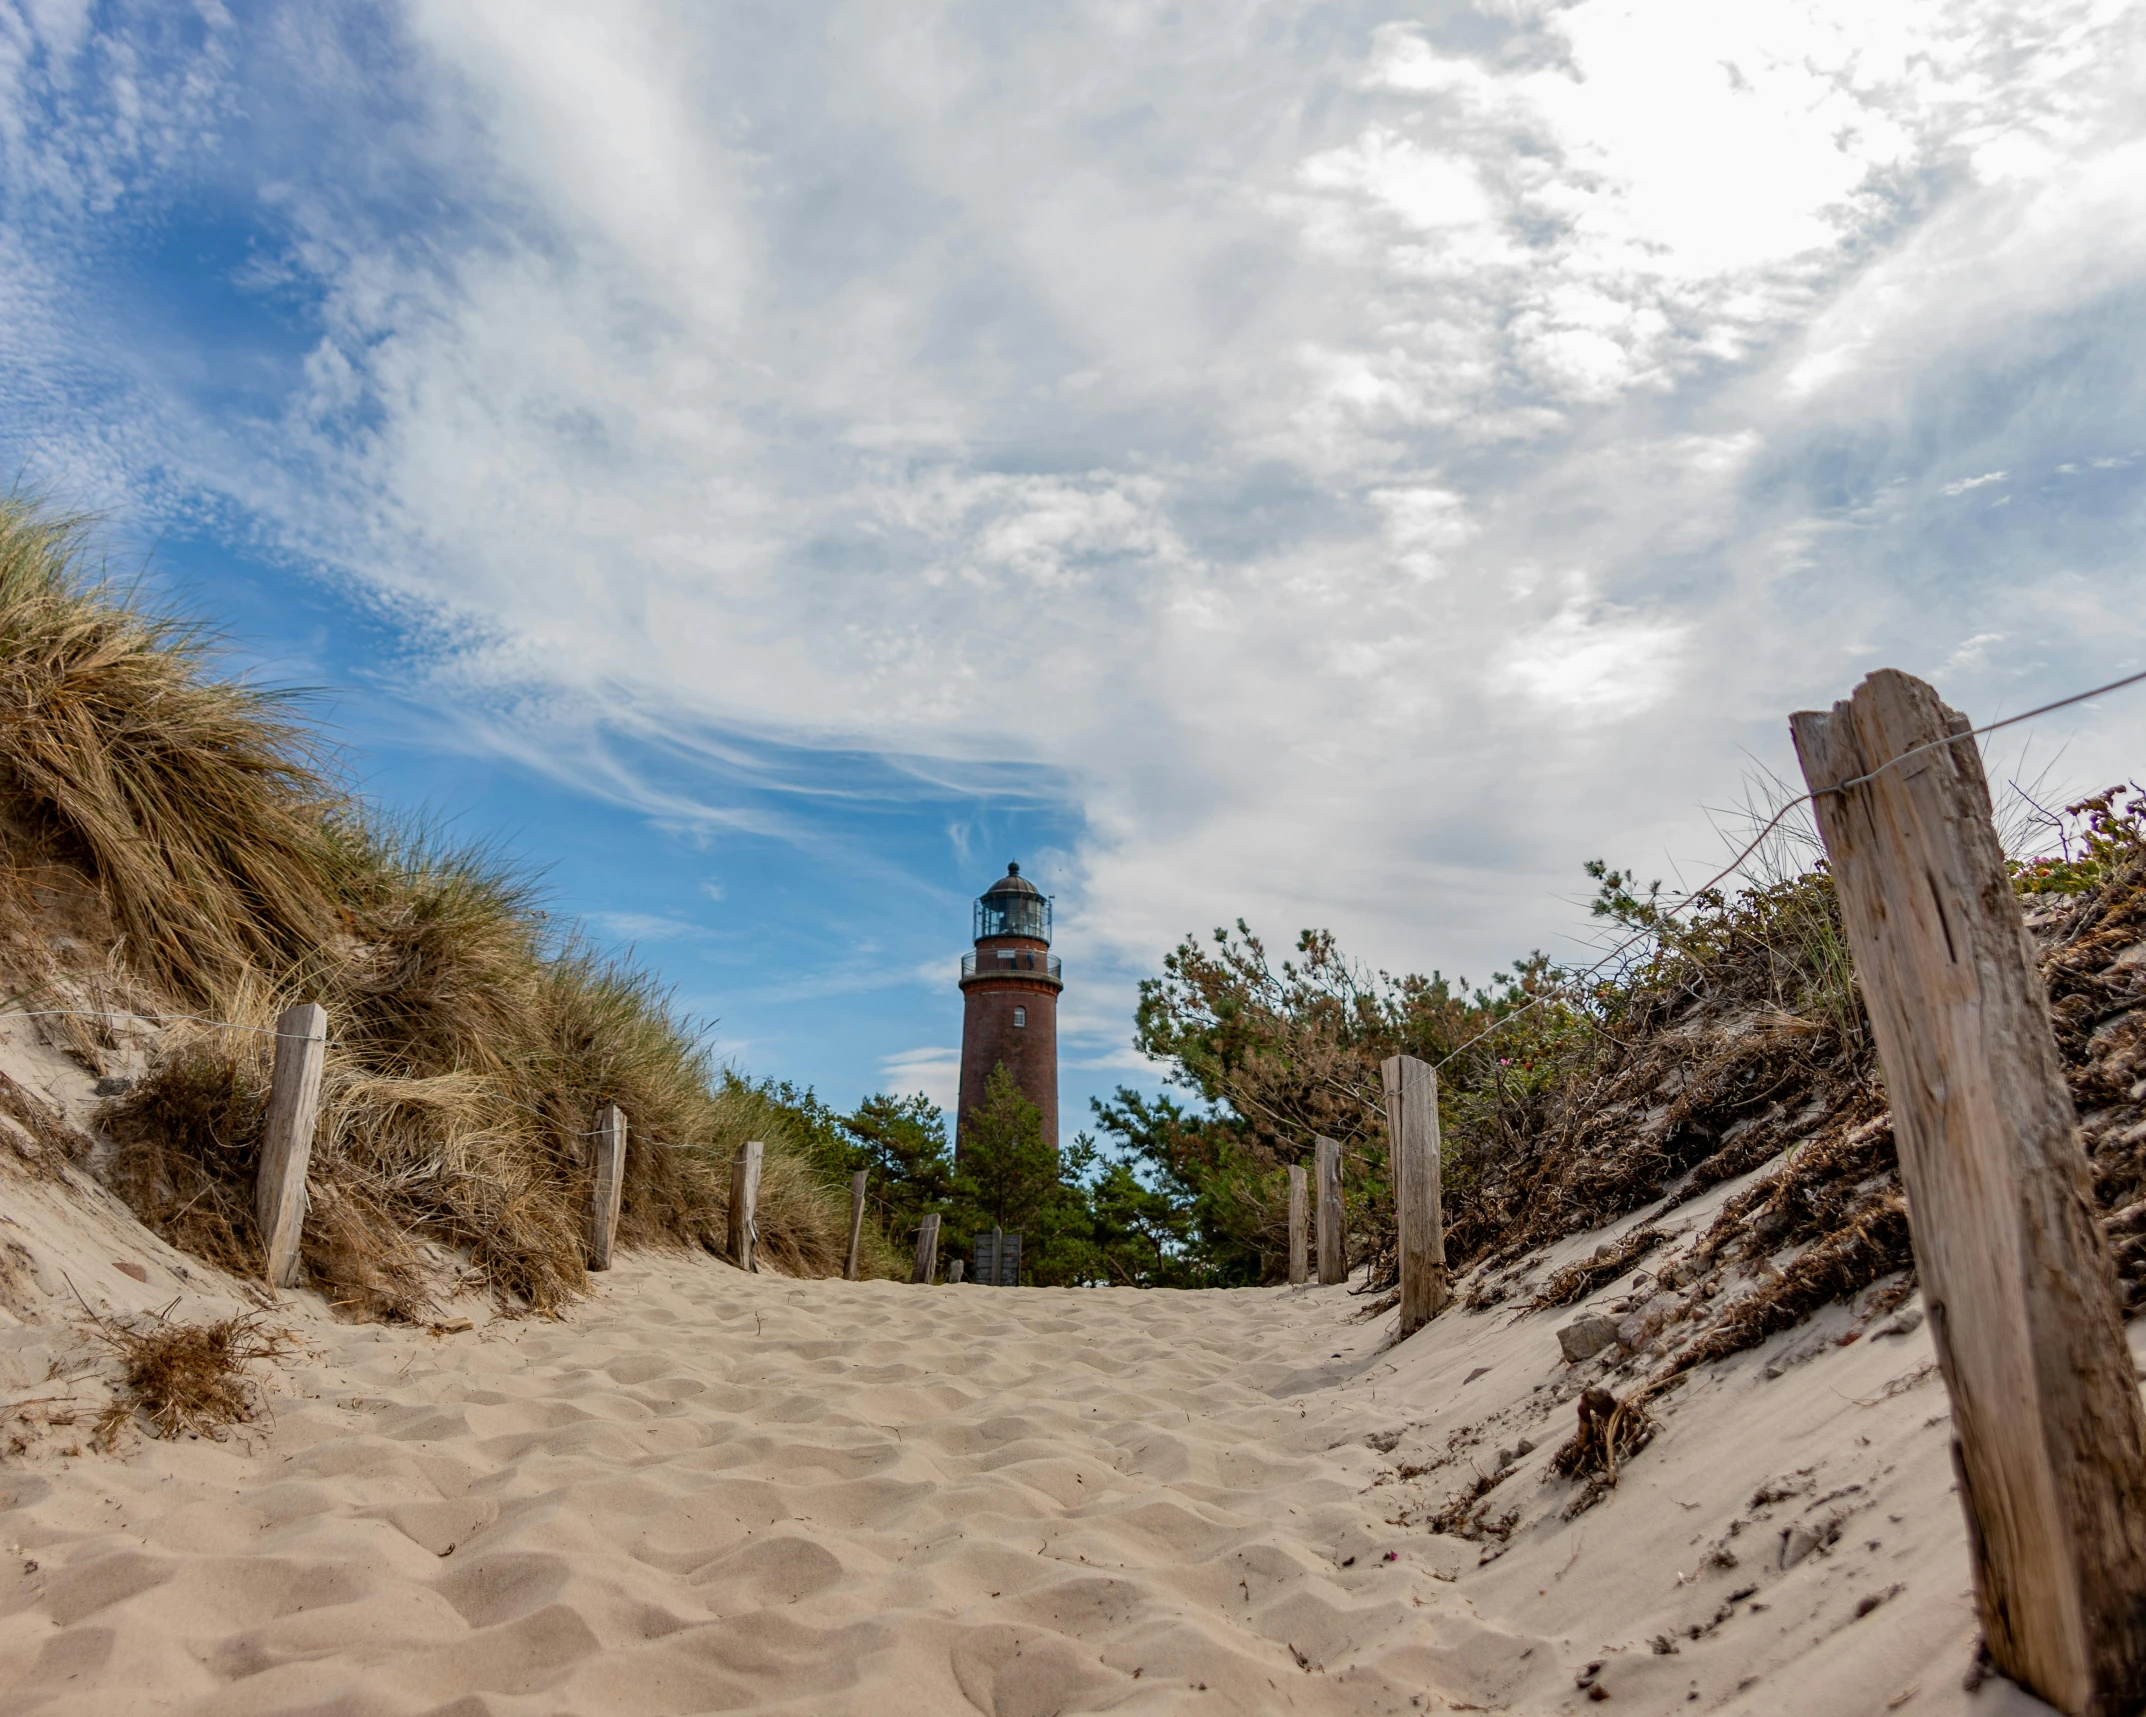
{"x":1009,"y":992}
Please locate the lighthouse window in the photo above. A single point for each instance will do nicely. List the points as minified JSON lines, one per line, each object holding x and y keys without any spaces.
{"x":1020,"y":1016}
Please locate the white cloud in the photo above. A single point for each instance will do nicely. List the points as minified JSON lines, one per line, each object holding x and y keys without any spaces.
{"x":1595,"y":666}
{"x":645,"y":926}
{"x":1202,"y":419}
{"x":933,"y":1069}
{"x":1972,"y":653}
{"x":1423,"y":190}
{"x":1967,"y":483}
{"x":1424,"y":525}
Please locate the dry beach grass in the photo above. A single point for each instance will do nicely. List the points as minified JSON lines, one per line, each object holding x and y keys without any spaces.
{"x":176,"y":844}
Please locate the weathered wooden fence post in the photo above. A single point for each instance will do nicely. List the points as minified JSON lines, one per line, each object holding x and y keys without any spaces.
{"x":998,"y":1258}
{"x":1412,"y":1130}
{"x":927,"y":1264}
{"x":745,"y":1204}
{"x":610,"y":1187}
{"x":1299,"y":1223}
{"x":1333,"y":1252}
{"x":2049,"y":1442}
{"x":856,"y":1225}
{"x":279,"y":1194}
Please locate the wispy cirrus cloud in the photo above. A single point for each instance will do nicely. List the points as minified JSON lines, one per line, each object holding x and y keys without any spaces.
{"x":933,"y":1069}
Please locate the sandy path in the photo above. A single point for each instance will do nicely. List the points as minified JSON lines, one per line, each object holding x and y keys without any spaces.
{"x":707,"y":1492}
{"x":704,"y":1492}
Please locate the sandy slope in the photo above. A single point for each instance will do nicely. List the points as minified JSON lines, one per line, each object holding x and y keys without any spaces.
{"x":704,"y":1492}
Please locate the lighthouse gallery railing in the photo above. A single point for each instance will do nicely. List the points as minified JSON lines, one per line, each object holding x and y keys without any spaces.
{"x":1012,"y":963}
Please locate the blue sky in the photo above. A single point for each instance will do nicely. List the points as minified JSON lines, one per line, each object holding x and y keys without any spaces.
{"x":1334,"y":464}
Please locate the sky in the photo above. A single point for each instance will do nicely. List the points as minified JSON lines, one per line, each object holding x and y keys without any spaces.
{"x":765,"y":466}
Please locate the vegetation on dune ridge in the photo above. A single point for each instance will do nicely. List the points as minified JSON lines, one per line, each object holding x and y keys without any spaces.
{"x":176,"y":842}
{"x":1731,"y":1040}
{"x":1085,"y":1217}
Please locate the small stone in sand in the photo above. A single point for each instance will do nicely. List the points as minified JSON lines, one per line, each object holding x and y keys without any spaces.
{"x":1586,"y":1336}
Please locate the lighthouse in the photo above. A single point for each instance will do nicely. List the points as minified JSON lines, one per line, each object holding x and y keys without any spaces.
{"x":1009,"y":996}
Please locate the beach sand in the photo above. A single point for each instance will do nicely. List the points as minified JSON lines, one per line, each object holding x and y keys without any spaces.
{"x":707,"y":1491}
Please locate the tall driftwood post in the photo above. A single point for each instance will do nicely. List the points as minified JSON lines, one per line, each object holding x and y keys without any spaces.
{"x":927,"y":1264}
{"x":279,"y":1194}
{"x":1412,"y":1130}
{"x":2049,"y":1442}
{"x":745,"y":1204}
{"x":610,"y":1184}
{"x":856,"y":1226}
{"x":1299,"y":1224}
{"x":1333,"y":1251}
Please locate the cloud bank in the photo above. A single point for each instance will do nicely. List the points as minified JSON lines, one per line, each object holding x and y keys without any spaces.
{"x":1360,"y":464}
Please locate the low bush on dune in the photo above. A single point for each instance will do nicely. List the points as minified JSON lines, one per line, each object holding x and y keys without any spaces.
{"x":175,"y":842}
{"x":1730,"y":1041}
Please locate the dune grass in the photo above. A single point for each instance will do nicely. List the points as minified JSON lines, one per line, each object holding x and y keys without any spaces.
{"x":218,"y":867}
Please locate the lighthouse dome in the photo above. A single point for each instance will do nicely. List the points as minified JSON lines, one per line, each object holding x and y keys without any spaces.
{"x":1013,"y":906}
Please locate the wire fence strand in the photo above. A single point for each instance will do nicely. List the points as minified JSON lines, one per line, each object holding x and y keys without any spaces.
{"x":295,"y":1037}
{"x":130,"y":1014}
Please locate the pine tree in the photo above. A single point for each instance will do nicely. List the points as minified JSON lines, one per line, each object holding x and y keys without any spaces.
{"x":1006,"y":1169}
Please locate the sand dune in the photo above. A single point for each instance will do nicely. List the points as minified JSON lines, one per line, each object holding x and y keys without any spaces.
{"x":703,"y":1491}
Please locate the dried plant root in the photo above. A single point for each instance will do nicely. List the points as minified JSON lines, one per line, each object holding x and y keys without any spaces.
{"x":181,"y":1377}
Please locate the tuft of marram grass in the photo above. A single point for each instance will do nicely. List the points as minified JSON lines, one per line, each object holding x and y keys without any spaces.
{"x":198,"y":804}
{"x":471,"y":1047}
{"x":182,"y":1377}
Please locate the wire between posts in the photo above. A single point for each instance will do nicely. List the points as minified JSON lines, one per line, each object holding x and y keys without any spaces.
{"x":266,"y":1031}
{"x":1774,"y":822}
{"x":126,"y":1013}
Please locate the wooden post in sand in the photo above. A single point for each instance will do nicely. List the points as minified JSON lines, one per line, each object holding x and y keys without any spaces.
{"x":1333,"y":1254}
{"x":279,"y":1194}
{"x":927,"y":1264}
{"x":1412,"y":1132}
{"x":745,"y":1204}
{"x":2049,"y":1442}
{"x":1299,"y":1223}
{"x":856,"y":1225}
{"x":610,"y":1184}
